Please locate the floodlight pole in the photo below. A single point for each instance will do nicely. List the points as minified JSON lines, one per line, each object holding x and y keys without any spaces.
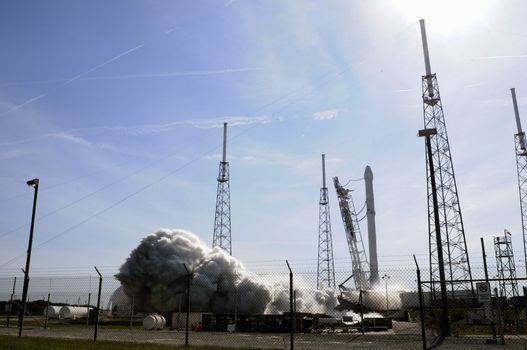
{"x":32,"y":183}
{"x":444,"y":326}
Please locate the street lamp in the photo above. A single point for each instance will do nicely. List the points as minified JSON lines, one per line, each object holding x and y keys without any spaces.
{"x":32,"y":183}
{"x":386,"y":278}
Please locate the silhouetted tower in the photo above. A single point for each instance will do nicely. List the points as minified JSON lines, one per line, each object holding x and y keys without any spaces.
{"x":457,"y":265}
{"x":326,"y":266}
{"x":521,"y":167}
{"x":222,"y":218}
{"x":505,"y":265}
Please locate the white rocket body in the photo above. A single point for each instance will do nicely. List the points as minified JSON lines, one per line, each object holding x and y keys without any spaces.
{"x":372,"y":236}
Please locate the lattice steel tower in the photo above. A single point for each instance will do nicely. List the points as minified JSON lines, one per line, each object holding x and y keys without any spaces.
{"x":521,"y":167}
{"x":456,"y":261}
{"x":326,"y":265}
{"x":505,"y":265}
{"x":222,"y":218}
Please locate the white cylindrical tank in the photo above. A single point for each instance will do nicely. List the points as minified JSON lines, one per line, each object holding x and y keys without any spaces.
{"x":73,"y":312}
{"x":52,"y":311}
{"x":154,"y":321}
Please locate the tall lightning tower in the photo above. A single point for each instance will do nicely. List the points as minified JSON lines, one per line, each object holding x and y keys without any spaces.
{"x":222,"y":218}
{"x":521,"y":167}
{"x":326,"y":265}
{"x":453,"y":243}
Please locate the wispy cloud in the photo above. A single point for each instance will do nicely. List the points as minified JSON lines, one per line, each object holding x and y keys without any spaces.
{"x":145,"y":129}
{"x":136,"y":76}
{"x":69,"y":137}
{"x":11,"y":154}
{"x":64,"y":136}
{"x":194,"y":123}
{"x":498,"y":57}
{"x":61,"y":135}
{"x":230,"y":3}
{"x":326,"y":115}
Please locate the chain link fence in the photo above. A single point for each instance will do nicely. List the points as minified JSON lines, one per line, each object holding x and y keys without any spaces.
{"x":239,"y":309}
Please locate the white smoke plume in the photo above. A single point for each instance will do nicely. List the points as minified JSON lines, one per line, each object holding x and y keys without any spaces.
{"x":155,"y":276}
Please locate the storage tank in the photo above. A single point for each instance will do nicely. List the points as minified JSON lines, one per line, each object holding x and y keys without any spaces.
{"x":120,"y":304}
{"x":74,"y":312}
{"x":154,"y":321}
{"x":52,"y":311}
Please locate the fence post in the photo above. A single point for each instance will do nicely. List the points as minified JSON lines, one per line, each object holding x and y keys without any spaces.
{"x":189,"y":278}
{"x":361,"y":312}
{"x":421,"y":306}
{"x":291,"y":305}
{"x":500,"y":318}
{"x":47,"y":312}
{"x":98,"y":305}
{"x":89,"y":304}
{"x":11,"y":303}
{"x":132,"y":312}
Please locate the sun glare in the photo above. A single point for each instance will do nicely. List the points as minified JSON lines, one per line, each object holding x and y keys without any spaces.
{"x":444,"y":16}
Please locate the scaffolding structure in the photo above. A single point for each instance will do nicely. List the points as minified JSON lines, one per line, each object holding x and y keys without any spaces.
{"x":222,"y":217}
{"x":359,"y":259}
{"x":453,"y":243}
{"x":326,"y":265}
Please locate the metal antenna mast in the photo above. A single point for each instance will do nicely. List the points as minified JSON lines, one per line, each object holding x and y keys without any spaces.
{"x":454,"y":246}
{"x":521,"y":167}
{"x":222,"y":218}
{"x":326,"y":265}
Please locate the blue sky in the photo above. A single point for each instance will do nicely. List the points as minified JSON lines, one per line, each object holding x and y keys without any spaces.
{"x":117,"y":107}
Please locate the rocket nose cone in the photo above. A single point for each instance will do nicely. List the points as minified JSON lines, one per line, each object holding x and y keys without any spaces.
{"x":368,"y":174}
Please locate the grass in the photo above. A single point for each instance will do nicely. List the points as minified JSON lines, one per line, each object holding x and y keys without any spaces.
{"x":33,"y":343}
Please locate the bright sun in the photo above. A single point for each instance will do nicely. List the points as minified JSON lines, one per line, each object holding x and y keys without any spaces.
{"x":444,"y":16}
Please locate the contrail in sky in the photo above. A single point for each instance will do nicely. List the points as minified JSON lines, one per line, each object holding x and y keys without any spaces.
{"x":139,"y":76}
{"x":173,"y":74}
{"x":77,"y":77}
